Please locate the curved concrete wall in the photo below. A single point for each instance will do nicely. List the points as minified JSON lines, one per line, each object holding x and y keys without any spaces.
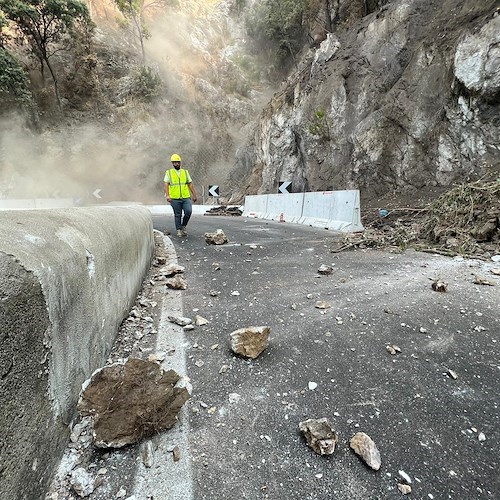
{"x":68,"y":277}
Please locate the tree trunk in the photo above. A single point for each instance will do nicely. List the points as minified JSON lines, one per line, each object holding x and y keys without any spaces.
{"x":138,"y":26}
{"x":56,"y":84}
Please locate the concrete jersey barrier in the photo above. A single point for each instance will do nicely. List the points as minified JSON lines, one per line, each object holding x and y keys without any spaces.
{"x":337,"y":210}
{"x":68,"y":278}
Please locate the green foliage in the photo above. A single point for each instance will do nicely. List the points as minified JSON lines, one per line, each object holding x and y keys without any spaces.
{"x":133,"y":12}
{"x":44,"y":24}
{"x":318,"y":125}
{"x":280,"y":25}
{"x":147,"y":83}
{"x":14,"y":84}
{"x":248,"y":66}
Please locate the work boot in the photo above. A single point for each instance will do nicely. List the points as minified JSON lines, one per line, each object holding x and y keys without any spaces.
{"x":183,"y":230}
{"x":179,"y":232}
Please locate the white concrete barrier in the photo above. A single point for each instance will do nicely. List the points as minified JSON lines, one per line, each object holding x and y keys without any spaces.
{"x":289,"y":204}
{"x":336,"y":210}
{"x":255,"y":206}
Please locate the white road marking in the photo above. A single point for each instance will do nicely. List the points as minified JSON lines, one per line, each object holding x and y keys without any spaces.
{"x":167,"y":479}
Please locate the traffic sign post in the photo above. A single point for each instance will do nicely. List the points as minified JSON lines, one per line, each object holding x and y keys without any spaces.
{"x":212,"y":194}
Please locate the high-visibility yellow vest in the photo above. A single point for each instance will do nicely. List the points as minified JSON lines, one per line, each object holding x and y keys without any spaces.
{"x":178,"y":181}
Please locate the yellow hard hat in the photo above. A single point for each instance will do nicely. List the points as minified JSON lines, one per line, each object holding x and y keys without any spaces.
{"x":175,"y":157}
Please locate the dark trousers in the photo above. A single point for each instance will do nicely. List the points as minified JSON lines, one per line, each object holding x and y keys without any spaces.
{"x":179,"y":206}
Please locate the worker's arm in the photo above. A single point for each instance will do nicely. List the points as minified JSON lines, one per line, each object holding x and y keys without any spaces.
{"x":194,"y":196}
{"x":167,"y":192}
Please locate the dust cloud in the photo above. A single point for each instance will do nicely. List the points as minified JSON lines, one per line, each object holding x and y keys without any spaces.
{"x":74,"y":163}
{"x":125,"y":159}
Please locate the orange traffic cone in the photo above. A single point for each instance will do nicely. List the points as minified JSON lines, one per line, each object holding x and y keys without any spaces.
{"x":282,"y":217}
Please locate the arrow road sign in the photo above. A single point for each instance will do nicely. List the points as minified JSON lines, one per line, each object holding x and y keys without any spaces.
{"x":285,"y":187}
{"x":96,"y":193}
{"x":213,"y":191}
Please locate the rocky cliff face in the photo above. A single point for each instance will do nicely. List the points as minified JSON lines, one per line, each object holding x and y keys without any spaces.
{"x":403,"y":98}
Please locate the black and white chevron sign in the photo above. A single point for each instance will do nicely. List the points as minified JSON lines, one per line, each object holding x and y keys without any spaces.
{"x":285,"y":187}
{"x":213,"y":191}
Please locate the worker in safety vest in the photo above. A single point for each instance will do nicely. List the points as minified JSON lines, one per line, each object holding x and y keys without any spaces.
{"x":180,"y":193}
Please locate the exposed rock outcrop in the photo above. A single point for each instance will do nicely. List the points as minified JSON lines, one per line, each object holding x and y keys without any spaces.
{"x":405,"y":97}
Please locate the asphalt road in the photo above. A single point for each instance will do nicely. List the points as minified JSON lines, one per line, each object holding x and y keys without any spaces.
{"x":244,"y":440}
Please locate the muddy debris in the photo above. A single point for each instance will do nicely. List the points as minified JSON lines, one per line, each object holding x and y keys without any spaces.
{"x":131,"y":400}
{"x":320,"y":435}
{"x":250,"y":342}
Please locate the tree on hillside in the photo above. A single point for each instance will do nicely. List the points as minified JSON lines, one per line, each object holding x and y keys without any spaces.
{"x":134,"y":13}
{"x":14,"y":84}
{"x":45,"y":25}
{"x":280,"y":24}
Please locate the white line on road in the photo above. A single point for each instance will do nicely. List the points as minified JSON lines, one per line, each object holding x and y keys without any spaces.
{"x":167,"y":479}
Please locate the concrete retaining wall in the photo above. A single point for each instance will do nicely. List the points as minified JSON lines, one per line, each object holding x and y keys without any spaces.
{"x":337,"y":210}
{"x":68,"y":277}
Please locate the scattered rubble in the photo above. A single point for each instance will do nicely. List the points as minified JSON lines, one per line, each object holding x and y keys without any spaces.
{"x":439,"y":286}
{"x":251,"y":341}
{"x":176,"y":283}
{"x":224,"y":210}
{"x":170,"y":270}
{"x":364,"y":446}
{"x":393,"y":349}
{"x":320,"y":435}
{"x":321,"y":304}
{"x":405,"y":489}
{"x":180,"y":320}
{"x":200,"y":320}
{"x":217,"y":238}
{"x":81,"y":482}
{"x":405,"y":476}
{"x":147,"y":453}
{"x":483,"y":281}
{"x":131,"y":400}
{"x":463,"y":221}
{"x":325,"y":269}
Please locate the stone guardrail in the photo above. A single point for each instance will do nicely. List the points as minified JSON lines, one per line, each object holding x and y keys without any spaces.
{"x":337,"y":210}
{"x":68,"y":277}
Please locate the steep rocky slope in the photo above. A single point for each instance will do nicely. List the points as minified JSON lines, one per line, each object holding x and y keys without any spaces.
{"x":404,"y":98}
